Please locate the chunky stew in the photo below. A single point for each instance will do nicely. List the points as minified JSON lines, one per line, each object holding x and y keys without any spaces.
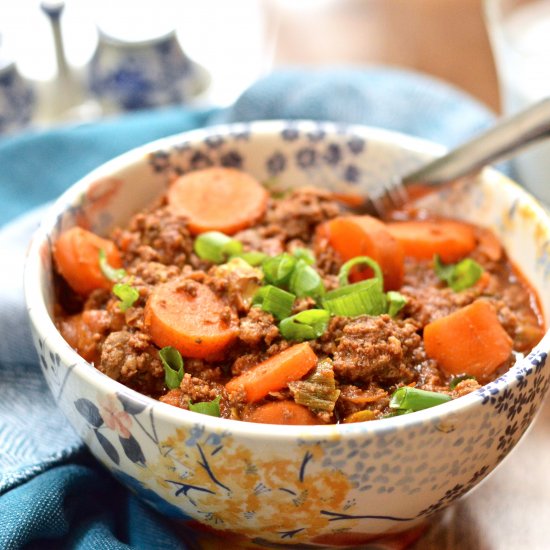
{"x":222,"y":299}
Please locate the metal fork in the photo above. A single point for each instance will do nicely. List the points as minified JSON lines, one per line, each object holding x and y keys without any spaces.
{"x":508,"y":136}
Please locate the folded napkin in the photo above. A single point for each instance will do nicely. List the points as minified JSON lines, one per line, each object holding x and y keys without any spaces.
{"x":52,"y":492}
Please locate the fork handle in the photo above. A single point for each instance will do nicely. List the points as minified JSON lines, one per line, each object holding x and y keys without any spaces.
{"x":508,"y":136}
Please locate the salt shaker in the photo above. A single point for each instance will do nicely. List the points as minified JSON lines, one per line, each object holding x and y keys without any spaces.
{"x":128,"y":73}
{"x":17,"y":98}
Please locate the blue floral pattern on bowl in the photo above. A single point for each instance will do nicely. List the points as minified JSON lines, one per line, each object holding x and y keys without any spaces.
{"x":282,"y":485}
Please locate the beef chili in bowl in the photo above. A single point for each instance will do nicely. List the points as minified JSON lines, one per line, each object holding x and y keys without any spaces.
{"x":222,"y":299}
{"x":287,"y":305}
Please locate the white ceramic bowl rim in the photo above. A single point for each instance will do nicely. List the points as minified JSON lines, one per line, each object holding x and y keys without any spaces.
{"x":43,"y":323}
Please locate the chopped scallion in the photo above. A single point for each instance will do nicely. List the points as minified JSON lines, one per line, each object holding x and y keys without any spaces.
{"x":416,"y":399}
{"x":112,"y":273}
{"x":304,"y":254}
{"x":306,"y":325}
{"x":396,"y":302}
{"x":127,"y":294}
{"x":343,"y":276}
{"x":211,"y":408}
{"x":253,"y":258}
{"x":172,"y":362}
{"x":363,"y":298}
{"x":459,"y":276}
{"x":216,"y":247}
{"x":277,"y":270}
{"x":274,"y":300}
{"x":305,"y":281}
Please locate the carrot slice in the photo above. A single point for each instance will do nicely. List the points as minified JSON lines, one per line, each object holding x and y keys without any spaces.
{"x":469,"y":341}
{"x":421,"y":239}
{"x":80,"y":331}
{"x":282,"y":412}
{"x":190,"y":317}
{"x":275,"y":373}
{"x":353,"y":236}
{"x":76,"y":255}
{"x":218,"y":199}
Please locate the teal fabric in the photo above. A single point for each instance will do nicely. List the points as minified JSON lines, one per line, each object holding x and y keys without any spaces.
{"x":37,"y":166}
{"x":52,"y":492}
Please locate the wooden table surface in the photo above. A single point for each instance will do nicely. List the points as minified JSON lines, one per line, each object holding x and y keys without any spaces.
{"x":444,"y":38}
{"x":447,"y":39}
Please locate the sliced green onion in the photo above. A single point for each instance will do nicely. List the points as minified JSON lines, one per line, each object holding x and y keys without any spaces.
{"x":277,"y":270}
{"x":396,"y":302}
{"x":416,"y":400}
{"x":363,"y":298}
{"x":343,"y":276}
{"x":459,"y":276}
{"x":306,"y":325}
{"x":457,"y":379}
{"x":216,"y":247}
{"x":253,"y":258}
{"x":211,"y":408}
{"x":305,"y":281}
{"x":127,"y":294}
{"x":274,"y":300}
{"x":304,"y":254}
{"x":173,"y":366}
{"x":110,"y":272}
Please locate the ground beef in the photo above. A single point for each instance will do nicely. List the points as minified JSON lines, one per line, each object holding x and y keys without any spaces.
{"x":258,"y":328}
{"x":156,"y":236}
{"x":378,"y":349}
{"x":196,"y":390}
{"x":354,"y":399}
{"x":153,"y":273}
{"x":290,"y":219}
{"x":428,"y":298}
{"x":299,"y":214}
{"x":465,"y":387}
{"x":131,"y":359}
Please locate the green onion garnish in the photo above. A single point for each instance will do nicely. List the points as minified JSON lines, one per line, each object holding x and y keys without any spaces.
{"x":110,"y":272}
{"x":173,"y":366}
{"x":457,"y":379}
{"x":363,"y":298}
{"x":277,"y":270}
{"x":305,"y":281}
{"x":459,"y":276}
{"x":216,"y":247}
{"x":306,"y":325}
{"x":343,"y":276}
{"x":253,"y":258}
{"x":211,"y":408}
{"x":396,"y":302}
{"x":127,"y":294}
{"x":304,"y":254}
{"x":274,"y":300}
{"x":416,"y":400}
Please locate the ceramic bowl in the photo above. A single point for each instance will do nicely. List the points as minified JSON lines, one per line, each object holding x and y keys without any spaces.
{"x":314,"y":485}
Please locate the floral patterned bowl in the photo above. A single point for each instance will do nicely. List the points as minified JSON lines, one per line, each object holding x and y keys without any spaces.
{"x":292,"y":485}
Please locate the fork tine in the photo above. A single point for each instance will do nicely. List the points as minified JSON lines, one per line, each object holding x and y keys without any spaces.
{"x":392,"y":195}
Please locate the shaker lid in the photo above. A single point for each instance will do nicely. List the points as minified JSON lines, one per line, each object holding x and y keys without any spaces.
{"x":6,"y":62}
{"x":129,"y":22}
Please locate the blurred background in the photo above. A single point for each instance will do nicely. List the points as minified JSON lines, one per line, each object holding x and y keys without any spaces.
{"x":80,"y":59}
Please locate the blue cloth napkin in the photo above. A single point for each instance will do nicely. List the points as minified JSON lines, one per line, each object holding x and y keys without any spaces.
{"x":52,"y":492}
